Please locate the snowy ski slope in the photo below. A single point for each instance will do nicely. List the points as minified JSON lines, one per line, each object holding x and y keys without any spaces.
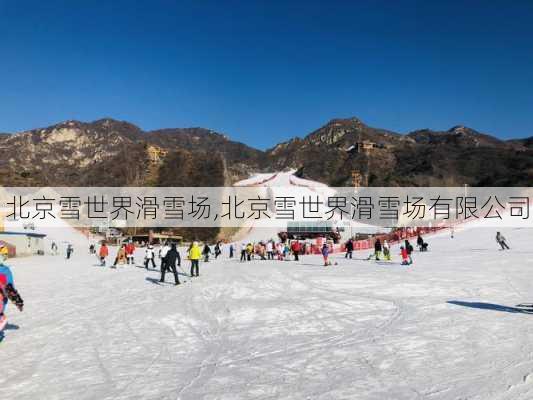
{"x":442,"y":329}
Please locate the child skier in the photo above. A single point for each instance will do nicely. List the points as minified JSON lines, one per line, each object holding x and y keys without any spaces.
{"x":103,"y":253}
{"x":500,"y":239}
{"x":7,"y":292}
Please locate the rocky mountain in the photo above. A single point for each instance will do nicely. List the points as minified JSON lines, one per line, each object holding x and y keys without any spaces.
{"x":115,"y":153}
{"x":347,"y":152}
{"x":342,"y":152}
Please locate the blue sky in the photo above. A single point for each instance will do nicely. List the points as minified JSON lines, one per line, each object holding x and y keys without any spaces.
{"x":265,"y":71}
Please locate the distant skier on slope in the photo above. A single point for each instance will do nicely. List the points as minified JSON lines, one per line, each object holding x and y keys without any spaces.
{"x":7,"y":292}
{"x":501,"y":241}
{"x":206,"y":252}
{"x":386,"y":250}
{"x":103,"y":253}
{"x":218,"y":249}
{"x":409,"y":249}
{"x":69,"y":250}
{"x":325,"y":254}
{"x":349,"y":248}
{"x":377,"y":250}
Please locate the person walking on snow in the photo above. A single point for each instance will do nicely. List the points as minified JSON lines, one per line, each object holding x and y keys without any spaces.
{"x":54,"y":249}
{"x":218,"y":250}
{"x":501,"y":241}
{"x":243,"y":251}
{"x":194,"y":255}
{"x":149,"y":256}
{"x":206,"y":252}
{"x":270,"y":250}
{"x":231,"y":250}
{"x":325,"y":254}
{"x":103,"y":253}
{"x":169,"y":263}
{"x":295,"y":247}
{"x":349,"y":248}
{"x":69,"y":251}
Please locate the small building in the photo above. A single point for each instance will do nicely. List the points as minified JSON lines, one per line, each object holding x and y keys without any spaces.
{"x":23,"y":243}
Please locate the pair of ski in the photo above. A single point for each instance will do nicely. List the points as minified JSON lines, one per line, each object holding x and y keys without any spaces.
{"x":526,"y":307}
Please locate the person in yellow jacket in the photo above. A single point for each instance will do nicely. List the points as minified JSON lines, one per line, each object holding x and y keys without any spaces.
{"x":194,"y":255}
{"x":4,"y":252}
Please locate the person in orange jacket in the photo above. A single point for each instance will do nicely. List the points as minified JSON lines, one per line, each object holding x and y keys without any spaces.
{"x":130,"y":250}
{"x":103,"y":253}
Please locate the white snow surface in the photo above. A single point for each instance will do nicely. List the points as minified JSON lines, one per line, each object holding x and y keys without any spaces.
{"x":278,"y":330}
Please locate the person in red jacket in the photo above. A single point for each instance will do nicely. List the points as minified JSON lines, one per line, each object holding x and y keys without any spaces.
{"x":295,"y":248}
{"x":130,"y":249}
{"x":103,"y":253}
{"x":405,"y":256}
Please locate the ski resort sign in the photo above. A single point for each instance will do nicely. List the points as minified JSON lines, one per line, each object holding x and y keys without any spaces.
{"x":265,"y":206}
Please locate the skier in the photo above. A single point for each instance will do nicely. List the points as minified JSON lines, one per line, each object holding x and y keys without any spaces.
{"x":91,"y":249}
{"x":325,"y":254}
{"x":377,"y":250}
{"x":149,"y":256}
{"x":349,"y":248}
{"x":231,"y":250}
{"x":501,"y":241}
{"x":121,"y":256}
{"x":218,"y":250}
{"x":7,"y":292}
{"x":54,"y":249}
{"x":249,"y":251}
{"x":103,"y":253}
{"x":162,"y":254}
{"x":169,"y":263}
{"x":130,"y":250}
{"x":194,"y":255}
{"x":295,"y":247}
{"x":406,"y":259}
{"x":243,"y":251}
{"x":420,"y":242}
{"x":270,"y":250}
{"x":206,"y":252}
{"x":69,"y":251}
{"x":386,"y":250}
{"x":409,"y":249}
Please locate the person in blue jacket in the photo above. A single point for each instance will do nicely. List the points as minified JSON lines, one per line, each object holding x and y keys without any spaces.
{"x":7,"y":292}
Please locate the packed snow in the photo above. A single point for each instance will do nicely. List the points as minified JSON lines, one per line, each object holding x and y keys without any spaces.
{"x":444,"y":328}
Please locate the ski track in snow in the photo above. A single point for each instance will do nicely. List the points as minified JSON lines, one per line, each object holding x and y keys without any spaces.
{"x":278,"y":330}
